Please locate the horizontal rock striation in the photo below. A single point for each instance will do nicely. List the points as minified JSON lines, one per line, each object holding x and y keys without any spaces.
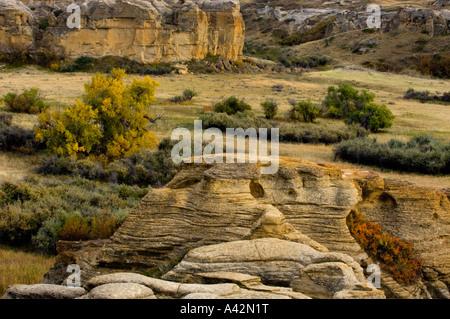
{"x":213,"y":217}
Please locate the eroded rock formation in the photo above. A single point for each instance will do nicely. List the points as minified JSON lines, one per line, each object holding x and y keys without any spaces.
{"x":287,"y":229}
{"x":142,"y":30}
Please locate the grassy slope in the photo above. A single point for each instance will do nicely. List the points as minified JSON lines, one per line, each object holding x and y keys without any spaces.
{"x":18,"y":267}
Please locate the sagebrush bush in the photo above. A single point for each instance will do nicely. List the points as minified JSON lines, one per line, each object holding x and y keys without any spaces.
{"x":42,"y":210}
{"x":422,"y":154}
{"x":5,"y":119}
{"x":147,"y":167}
{"x":396,"y":256}
{"x":188,"y":94}
{"x":17,"y":139}
{"x":288,"y":131}
{"x":270,"y":108}
{"x":29,"y":101}
{"x":426,"y":96}
{"x":232,"y":105}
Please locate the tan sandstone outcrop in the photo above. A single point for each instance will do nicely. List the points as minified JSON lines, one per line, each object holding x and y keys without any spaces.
{"x":304,"y":204}
{"x":16,"y":32}
{"x":142,"y":30}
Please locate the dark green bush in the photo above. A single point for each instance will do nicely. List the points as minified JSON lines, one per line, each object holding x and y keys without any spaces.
{"x":270,"y":108}
{"x":30,"y":101}
{"x":231,"y":106}
{"x":304,"y":110}
{"x":319,"y":133}
{"x":348,"y":103}
{"x":422,"y":154}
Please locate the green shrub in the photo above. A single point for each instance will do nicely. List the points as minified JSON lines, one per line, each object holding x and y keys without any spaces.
{"x":319,"y":133}
{"x":231,"y":105}
{"x":270,"y":108}
{"x":30,"y":101}
{"x":422,"y":154}
{"x":304,"y":110}
{"x":348,"y":103}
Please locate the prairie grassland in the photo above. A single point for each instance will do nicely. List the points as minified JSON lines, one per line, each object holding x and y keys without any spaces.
{"x":19,"y":267}
{"x":411,"y":117}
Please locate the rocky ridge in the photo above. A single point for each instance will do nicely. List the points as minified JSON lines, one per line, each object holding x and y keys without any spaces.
{"x":145,"y":31}
{"x":229,"y":224}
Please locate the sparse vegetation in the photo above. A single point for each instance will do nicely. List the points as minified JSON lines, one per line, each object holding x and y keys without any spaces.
{"x":396,"y":256}
{"x":427,"y":97}
{"x":421,"y":154}
{"x":317,"y":32}
{"x":188,"y":94}
{"x":41,"y":210}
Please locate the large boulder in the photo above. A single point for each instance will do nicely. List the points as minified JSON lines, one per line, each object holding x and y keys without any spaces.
{"x":275,"y":261}
{"x":43,"y":291}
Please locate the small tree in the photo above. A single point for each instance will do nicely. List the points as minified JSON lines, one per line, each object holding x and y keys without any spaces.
{"x":231,"y":106}
{"x":346,"y":102}
{"x":112,"y":119}
{"x":304,"y":110}
{"x":270,"y":108}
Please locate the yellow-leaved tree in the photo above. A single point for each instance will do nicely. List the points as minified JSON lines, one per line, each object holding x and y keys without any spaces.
{"x":112,"y":119}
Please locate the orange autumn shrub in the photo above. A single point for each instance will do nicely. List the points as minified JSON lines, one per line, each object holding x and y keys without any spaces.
{"x":103,"y":226}
{"x":396,"y":256}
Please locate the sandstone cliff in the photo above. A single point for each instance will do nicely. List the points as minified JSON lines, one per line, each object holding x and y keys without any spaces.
{"x":305,"y":204}
{"x":143,"y":30}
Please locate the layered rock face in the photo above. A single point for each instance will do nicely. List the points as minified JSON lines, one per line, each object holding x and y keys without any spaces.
{"x":16,"y":31}
{"x":143,"y":30}
{"x":288,"y":229}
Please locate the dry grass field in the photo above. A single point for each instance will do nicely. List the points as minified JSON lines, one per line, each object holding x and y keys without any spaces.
{"x":22,"y":267}
{"x":412,"y":117}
